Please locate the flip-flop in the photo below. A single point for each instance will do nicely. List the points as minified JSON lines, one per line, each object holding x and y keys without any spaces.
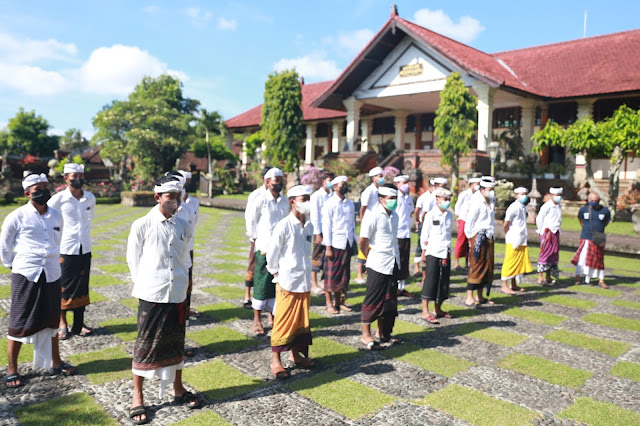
{"x":186,"y":400}
{"x":83,"y":333}
{"x":13,"y":378}
{"x":444,"y":315}
{"x":471,"y":305}
{"x":281,"y":375}
{"x":603,"y":284}
{"x":63,"y":333}
{"x":247,"y":304}
{"x":372,"y":345}
{"x":189,"y":352}
{"x":391,"y":339}
{"x":64,"y":369}
{"x":308,"y":364}
{"x":140,"y":410}
{"x":431,"y":319}
{"x":486,"y":302}
{"x":257,"y":329}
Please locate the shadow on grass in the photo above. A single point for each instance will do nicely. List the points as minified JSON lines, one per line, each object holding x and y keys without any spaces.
{"x":100,"y":366}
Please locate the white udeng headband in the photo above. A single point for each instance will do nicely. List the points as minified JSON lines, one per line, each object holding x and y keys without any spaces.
{"x":171,"y":186}
{"x":386,"y":192}
{"x":33,"y":179}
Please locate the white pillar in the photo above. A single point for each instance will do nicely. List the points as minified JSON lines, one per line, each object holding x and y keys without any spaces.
{"x":353,"y":119}
{"x":308,"y":151}
{"x":400,"y":125}
{"x":365,"y":127}
{"x":485,"y":113}
{"x":243,"y":156}
{"x":528,"y":116}
{"x":336,"y":135}
{"x":230,"y":140}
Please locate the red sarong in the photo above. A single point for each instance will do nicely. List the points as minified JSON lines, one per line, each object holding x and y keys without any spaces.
{"x":595,"y":255}
{"x":462,"y":242}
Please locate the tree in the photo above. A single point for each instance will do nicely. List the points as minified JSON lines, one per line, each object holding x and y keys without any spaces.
{"x":73,"y":141}
{"x":455,"y":124}
{"x":282,"y":127}
{"x":252,"y":143}
{"x":27,"y":134}
{"x":153,"y":127}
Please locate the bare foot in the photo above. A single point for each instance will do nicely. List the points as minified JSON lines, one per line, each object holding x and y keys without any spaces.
{"x":507,"y":290}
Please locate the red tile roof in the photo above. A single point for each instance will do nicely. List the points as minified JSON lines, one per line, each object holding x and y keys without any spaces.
{"x":310,"y":92}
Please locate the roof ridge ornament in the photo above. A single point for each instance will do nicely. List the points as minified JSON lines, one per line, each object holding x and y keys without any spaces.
{"x":394,"y":10}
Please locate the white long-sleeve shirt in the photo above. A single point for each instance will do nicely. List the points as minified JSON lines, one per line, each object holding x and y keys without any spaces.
{"x":289,"y":254}
{"x":158,"y":257}
{"x":435,"y":238}
{"x":462,"y":205}
{"x":30,"y":242}
{"x":549,"y":217}
{"x":249,"y":217}
{"x":516,"y":215}
{"x":425,"y":203}
{"x":382,"y":231}
{"x":318,"y":199}
{"x":338,"y":223}
{"x":266,"y":212}
{"x":186,"y":212}
{"x":404,"y":211}
{"x":369,"y":197}
{"x":77,"y":215}
{"x":195,"y":206}
{"x":479,"y":217}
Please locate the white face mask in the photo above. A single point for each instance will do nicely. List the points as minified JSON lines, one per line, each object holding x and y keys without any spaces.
{"x":304,"y":207}
{"x":490,"y":195}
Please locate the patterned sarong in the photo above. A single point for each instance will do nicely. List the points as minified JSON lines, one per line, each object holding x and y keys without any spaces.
{"x":161,"y":330}
{"x":549,"y":248}
{"x":263,"y":286}
{"x":34,"y":305}
{"x":481,"y":267}
{"x":317,"y":257}
{"x":404,"y":245}
{"x":380,"y":300}
{"x":594,"y":258}
{"x":462,"y":242}
{"x":291,"y":321}
{"x":337,"y":271}
{"x":516,"y":262}
{"x":75,"y":280}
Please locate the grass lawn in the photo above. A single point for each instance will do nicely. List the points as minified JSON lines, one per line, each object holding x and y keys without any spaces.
{"x":329,"y":351}
{"x":232,"y":257}
{"x":26,"y":353}
{"x":595,"y":290}
{"x":478,"y":408}
{"x":597,"y":413}
{"x":103,"y":366}
{"x":131,"y":303}
{"x":626,"y":304}
{"x":572,"y":302}
{"x":229,"y":266}
{"x":243,"y":197}
{"x":225,"y":312}
{"x":204,"y":418}
{"x":5,"y":291}
{"x":552,"y":372}
{"x":126,"y":329}
{"x":535,"y":316}
{"x":405,"y":329}
{"x":96,"y":297}
{"x":226,"y":277}
{"x":613,"y":321}
{"x":4,"y":270}
{"x":71,"y":410}
{"x":351,"y":399}
{"x":226,"y":291}
{"x":218,"y":380}
{"x":118,"y":268}
{"x":221,"y":339}
{"x":492,"y":335}
{"x":629,"y":370}
{"x":570,"y":223}
{"x":609,"y":347}
{"x":428,"y":359}
{"x":103,"y":280}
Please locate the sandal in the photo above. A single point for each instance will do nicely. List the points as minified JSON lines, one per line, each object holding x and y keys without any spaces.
{"x":405,"y":293}
{"x":140,"y":410}
{"x":84,"y":333}
{"x":372,"y":345}
{"x":15,"y":377}
{"x":332,"y":310}
{"x":473,"y":305}
{"x":549,"y":283}
{"x":431,"y":319}
{"x":189,"y":352}
{"x":603,"y":284}
{"x":281,"y":375}
{"x":307,"y":363}
{"x":391,"y":339}
{"x":444,"y":314}
{"x":486,"y":302}
{"x":63,"y":333}
{"x":258,"y":329}
{"x":187,"y":399}
{"x":64,"y":369}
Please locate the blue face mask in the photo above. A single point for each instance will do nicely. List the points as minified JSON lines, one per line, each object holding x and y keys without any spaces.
{"x":381,"y":181}
{"x":594,"y":204}
{"x":557,"y":198}
{"x":329,"y":185}
{"x":523,"y":199}
{"x":445,"y":205}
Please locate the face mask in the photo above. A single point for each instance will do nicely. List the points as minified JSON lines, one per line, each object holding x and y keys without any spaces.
{"x":557,"y":198}
{"x":329,"y":185}
{"x":523,"y":199}
{"x":404,"y":188}
{"x":474,"y":188}
{"x":490,"y":195}
{"x":445,"y":205}
{"x":304,"y":207}
{"x":277,"y":187}
{"x":344,"y":189}
{"x":381,"y":181}
{"x":594,"y":204}
{"x":76,"y":183}
{"x":392,"y":204}
{"x":170,"y":206}
{"x":41,"y":197}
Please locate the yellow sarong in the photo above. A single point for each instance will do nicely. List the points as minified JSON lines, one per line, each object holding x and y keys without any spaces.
{"x":516,"y":262}
{"x":361,"y":255}
{"x":291,"y":320}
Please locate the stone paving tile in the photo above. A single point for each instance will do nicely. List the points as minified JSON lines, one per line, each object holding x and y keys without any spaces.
{"x":471,"y":349}
{"x":632,"y":355}
{"x":617,"y":310}
{"x":405,"y":413}
{"x":618,"y":390}
{"x":528,"y":392}
{"x":572,"y":356}
{"x":602,"y":331}
{"x":523,"y":326}
{"x":100,"y":339}
{"x":115,"y":292}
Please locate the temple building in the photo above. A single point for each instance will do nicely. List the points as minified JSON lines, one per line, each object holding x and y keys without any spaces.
{"x":390,"y":92}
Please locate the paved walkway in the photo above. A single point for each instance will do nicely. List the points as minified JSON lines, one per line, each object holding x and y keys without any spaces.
{"x":548,"y":356}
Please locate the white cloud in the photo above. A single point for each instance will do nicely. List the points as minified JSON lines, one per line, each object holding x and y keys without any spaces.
{"x":354,"y":41}
{"x":198,"y":14}
{"x":20,"y":51}
{"x":313,"y":66}
{"x":465,"y":30}
{"x":33,"y":80}
{"x":227,"y":24}
{"x":117,"y":69}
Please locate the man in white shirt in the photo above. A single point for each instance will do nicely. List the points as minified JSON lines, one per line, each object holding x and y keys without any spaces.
{"x":427,"y":203}
{"x":78,"y":209}
{"x":418,"y":218}
{"x":548,"y":222}
{"x":318,"y":199}
{"x":30,"y":247}
{"x":436,"y":255}
{"x":158,"y":258}
{"x":404,"y":212}
{"x":289,"y":261}
{"x":339,"y":238}
{"x":480,"y":230}
{"x":252,"y":233}
{"x":368,"y":201}
{"x":194,"y":205}
{"x":379,"y":242}
{"x":516,"y":258}
{"x":266,"y":211}
{"x":461,"y":249}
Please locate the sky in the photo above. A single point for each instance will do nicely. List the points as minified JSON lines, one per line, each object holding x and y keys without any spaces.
{"x":67,"y":59}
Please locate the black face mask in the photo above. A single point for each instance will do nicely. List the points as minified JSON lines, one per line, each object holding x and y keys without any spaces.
{"x":76,"y":183}
{"x":41,"y":197}
{"x":277,"y":187}
{"x":344,"y":189}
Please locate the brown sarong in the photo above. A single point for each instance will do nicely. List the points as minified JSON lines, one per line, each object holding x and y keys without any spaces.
{"x":337,"y":272}
{"x":317,"y":257}
{"x":404,"y":244}
{"x":291,"y":321}
{"x":380,"y":300}
{"x":161,"y":330}
{"x":34,"y":305}
{"x":74,"y":280}
{"x":481,"y":269}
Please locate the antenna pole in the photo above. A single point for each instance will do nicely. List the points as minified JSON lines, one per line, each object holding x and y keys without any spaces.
{"x":584,"y":30}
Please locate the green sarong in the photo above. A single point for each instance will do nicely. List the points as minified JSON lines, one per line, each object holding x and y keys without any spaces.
{"x":263,"y":287}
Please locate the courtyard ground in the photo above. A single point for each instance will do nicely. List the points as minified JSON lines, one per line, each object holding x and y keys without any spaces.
{"x":565,"y":355}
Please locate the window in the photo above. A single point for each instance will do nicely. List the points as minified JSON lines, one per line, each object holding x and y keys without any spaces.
{"x":506,"y":117}
{"x":426,"y":121}
{"x":563,"y":113}
{"x":384,"y":126}
{"x":411,"y":124}
{"x":322,"y":130}
{"x":604,"y":108}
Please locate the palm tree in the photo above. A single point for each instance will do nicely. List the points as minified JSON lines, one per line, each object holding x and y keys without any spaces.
{"x":210,"y":123}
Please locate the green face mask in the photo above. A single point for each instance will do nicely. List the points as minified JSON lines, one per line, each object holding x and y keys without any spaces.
{"x":392,"y":204}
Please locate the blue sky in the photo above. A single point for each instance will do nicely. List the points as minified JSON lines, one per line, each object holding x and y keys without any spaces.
{"x":66,"y":59}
